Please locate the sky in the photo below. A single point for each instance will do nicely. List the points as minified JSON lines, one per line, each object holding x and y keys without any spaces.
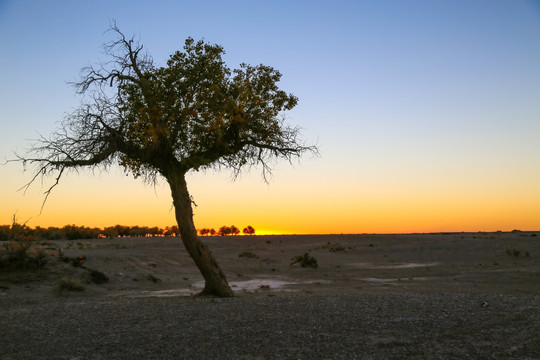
{"x":426,"y":113}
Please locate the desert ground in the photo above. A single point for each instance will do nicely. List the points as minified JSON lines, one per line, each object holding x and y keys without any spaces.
{"x":458,"y":295}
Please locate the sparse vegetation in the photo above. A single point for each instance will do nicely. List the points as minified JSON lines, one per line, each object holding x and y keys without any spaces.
{"x":97,"y":277}
{"x":248,"y":254}
{"x":69,"y":284}
{"x":305,"y":260}
{"x":19,"y":256}
{"x":517,"y":253}
{"x":153,"y":279}
{"x":513,"y":252}
{"x":336,"y":247}
{"x":78,"y":261}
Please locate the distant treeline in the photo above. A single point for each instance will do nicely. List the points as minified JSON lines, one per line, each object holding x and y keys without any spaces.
{"x":73,"y":232}
{"x":227,"y":230}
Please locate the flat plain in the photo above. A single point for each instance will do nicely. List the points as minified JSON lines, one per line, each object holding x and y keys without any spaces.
{"x":444,"y":295}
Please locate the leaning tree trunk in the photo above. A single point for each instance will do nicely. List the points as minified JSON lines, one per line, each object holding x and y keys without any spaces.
{"x":215,"y":280}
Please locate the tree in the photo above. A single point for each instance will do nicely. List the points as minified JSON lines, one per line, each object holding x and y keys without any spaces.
{"x":204,"y":231}
{"x":234,"y":230}
{"x":248,"y":230}
{"x":192,"y":114}
{"x":224,"y":230}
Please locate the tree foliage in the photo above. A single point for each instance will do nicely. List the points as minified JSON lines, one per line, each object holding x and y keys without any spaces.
{"x":194,"y":113}
{"x":248,"y":230}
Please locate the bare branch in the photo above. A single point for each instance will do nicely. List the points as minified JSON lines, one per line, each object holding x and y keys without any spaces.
{"x":128,"y":64}
{"x":195,"y":113}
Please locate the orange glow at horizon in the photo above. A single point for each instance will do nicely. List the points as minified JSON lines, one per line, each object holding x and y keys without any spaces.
{"x":296,"y":206}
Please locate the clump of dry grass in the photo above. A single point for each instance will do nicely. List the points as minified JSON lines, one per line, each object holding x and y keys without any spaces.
{"x":69,"y":284}
{"x":305,"y":260}
{"x":248,"y":254}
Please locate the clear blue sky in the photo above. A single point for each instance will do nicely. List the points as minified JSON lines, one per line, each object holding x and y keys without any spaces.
{"x":427,"y":113}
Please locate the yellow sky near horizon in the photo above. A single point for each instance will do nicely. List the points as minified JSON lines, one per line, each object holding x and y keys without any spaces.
{"x":305,"y":206}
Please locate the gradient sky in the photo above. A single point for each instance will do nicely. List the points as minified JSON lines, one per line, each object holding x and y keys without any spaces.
{"x":427,"y":113}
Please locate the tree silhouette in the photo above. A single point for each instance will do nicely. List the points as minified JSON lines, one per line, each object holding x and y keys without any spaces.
{"x":224,"y":230}
{"x":234,"y":230}
{"x":194,"y":113}
{"x":248,"y":230}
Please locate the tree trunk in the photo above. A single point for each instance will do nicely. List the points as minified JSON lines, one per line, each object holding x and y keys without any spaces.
{"x":215,"y":280}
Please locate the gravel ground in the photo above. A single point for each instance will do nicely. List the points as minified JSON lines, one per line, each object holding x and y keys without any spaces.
{"x":299,"y":326}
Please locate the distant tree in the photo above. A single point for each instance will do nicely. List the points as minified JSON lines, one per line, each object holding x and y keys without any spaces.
{"x":212,"y":232}
{"x":234,"y":230}
{"x":248,"y":230}
{"x":224,"y":230}
{"x":174,"y":230}
{"x":110,"y":231}
{"x":204,"y":231}
{"x":194,"y":113}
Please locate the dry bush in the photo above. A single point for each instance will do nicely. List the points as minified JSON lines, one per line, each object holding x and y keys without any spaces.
{"x":305,"y":261}
{"x":18,"y":255}
{"x":69,"y":284}
{"x":97,"y":277}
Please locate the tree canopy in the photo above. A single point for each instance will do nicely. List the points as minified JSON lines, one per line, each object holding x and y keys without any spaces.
{"x":194,"y":113}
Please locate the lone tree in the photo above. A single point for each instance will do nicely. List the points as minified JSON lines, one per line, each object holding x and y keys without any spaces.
{"x":192,"y":114}
{"x":248,"y":230}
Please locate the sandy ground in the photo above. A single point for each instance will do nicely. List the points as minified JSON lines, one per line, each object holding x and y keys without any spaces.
{"x":421,"y":296}
{"x":413,"y":263}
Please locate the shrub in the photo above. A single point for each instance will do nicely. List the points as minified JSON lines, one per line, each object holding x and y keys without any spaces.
{"x":19,"y":256}
{"x":97,"y":277}
{"x":152,"y":278}
{"x":335,"y":247}
{"x":78,"y":261}
{"x":69,"y":284}
{"x":305,"y":261}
